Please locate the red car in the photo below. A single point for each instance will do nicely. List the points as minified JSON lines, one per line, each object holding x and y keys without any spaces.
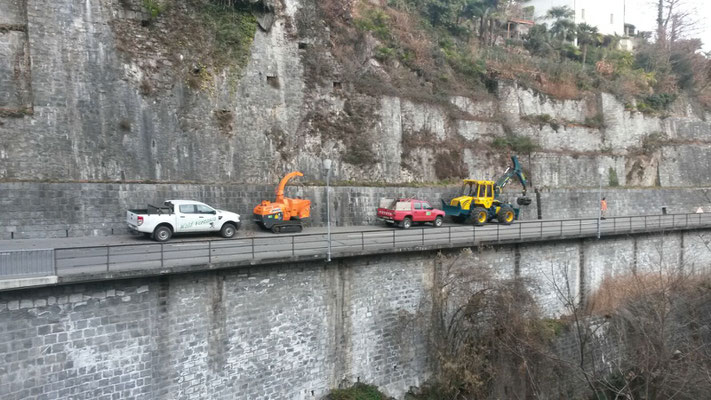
{"x":405,"y":212}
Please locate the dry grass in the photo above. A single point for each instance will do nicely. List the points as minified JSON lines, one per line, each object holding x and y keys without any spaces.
{"x":615,"y":292}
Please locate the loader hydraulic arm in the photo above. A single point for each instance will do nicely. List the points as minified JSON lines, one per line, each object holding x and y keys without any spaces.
{"x":510,"y":172}
{"x":282,"y":184}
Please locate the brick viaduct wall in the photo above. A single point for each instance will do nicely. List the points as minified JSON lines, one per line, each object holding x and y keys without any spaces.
{"x":35,"y":210}
{"x":282,"y":331}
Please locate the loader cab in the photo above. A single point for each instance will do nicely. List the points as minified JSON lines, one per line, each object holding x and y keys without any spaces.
{"x":475,"y":193}
{"x":481,"y":191}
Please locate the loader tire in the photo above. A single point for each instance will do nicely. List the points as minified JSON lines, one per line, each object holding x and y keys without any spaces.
{"x":479,"y":216}
{"x":524,"y":201}
{"x":506,"y":215}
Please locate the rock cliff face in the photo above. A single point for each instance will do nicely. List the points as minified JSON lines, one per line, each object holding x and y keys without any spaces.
{"x":116,"y":93}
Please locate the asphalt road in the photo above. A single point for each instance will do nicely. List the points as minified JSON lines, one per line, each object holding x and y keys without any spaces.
{"x":128,"y":252}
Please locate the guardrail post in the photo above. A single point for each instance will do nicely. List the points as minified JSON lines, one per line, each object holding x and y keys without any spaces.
{"x":362,"y":241}
{"x":497,"y":232}
{"x":161,"y":255}
{"x":423,"y":236}
{"x":393,"y":238}
{"x":520,"y":237}
{"x":540,"y":232}
{"x":614,"y":225}
{"x":580,"y":227}
{"x":561,"y":228}
{"x":252,"y":248}
{"x":449,"y":229}
{"x":209,"y":251}
{"x":108,"y":251}
{"x":54,"y":255}
{"x":293,"y":250}
{"x":645,"y":223}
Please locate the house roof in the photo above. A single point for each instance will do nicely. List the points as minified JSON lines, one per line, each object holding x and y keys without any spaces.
{"x":522,"y":21}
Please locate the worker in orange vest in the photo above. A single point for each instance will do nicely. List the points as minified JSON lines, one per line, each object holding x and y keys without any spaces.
{"x":603,"y":208}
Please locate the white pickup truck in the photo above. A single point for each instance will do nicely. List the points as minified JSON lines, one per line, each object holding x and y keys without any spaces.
{"x":181,"y":216}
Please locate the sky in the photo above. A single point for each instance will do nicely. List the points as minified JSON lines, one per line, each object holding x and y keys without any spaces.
{"x":643,"y":15}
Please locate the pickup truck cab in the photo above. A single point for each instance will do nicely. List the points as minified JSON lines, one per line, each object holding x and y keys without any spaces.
{"x":181,"y":216}
{"x":405,"y":212}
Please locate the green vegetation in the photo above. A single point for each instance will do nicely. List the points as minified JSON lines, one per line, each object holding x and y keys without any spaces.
{"x":516,"y":143}
{"x":154,"y":9}
{"x":656,"y":102}
{"x":358,"y":391}
{"x":234,"y":28}
{"x":596,"y":122}
{"x":541,"y":120}
{"x":465,"y":45}
{"x":613,"y":181}
{"x":653,"y":142}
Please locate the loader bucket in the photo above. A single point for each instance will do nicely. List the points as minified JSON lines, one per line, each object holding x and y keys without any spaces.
{"x":453,"y":211}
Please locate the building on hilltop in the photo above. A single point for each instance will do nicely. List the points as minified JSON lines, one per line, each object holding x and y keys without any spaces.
{"x":607,"y":15}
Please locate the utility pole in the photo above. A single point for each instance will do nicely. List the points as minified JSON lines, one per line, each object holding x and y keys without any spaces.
{"x":327,"y":166}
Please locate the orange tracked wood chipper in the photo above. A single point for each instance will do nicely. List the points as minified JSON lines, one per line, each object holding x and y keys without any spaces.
{"x":283,"y":214}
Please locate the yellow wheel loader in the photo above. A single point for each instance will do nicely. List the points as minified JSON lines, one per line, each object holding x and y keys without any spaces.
{"x":479,"y":199}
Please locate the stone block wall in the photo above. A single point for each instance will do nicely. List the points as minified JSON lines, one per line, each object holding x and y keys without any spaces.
{"x":285,"y":332}
{"x":291,"y":331}
{"x":15,"y":78}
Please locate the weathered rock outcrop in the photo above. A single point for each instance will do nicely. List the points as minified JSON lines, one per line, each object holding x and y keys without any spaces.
{"x":111,"y":95}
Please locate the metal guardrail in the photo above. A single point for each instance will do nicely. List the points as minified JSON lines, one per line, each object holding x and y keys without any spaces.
{"x":26,"y":263}
{"x":144,"y":256}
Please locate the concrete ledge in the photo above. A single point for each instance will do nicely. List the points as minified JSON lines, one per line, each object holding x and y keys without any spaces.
{"x":21,"y":283}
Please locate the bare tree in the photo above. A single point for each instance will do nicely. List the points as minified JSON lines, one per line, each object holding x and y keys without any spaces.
{"x":675,"y":21}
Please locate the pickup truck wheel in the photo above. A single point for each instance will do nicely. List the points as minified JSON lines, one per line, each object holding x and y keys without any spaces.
{"x":162,"y":234}
{"x":437,"y":222}
{"x":228,"y":231}
{"x":406,"y":223}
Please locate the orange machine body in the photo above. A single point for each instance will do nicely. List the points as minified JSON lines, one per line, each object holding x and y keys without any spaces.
{"x":284,"y":213}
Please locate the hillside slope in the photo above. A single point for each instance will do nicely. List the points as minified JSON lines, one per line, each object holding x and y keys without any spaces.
{"x":168,"y":91}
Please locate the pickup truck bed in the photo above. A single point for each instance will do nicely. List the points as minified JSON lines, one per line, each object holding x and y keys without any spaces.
{"x":153,"y":210}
